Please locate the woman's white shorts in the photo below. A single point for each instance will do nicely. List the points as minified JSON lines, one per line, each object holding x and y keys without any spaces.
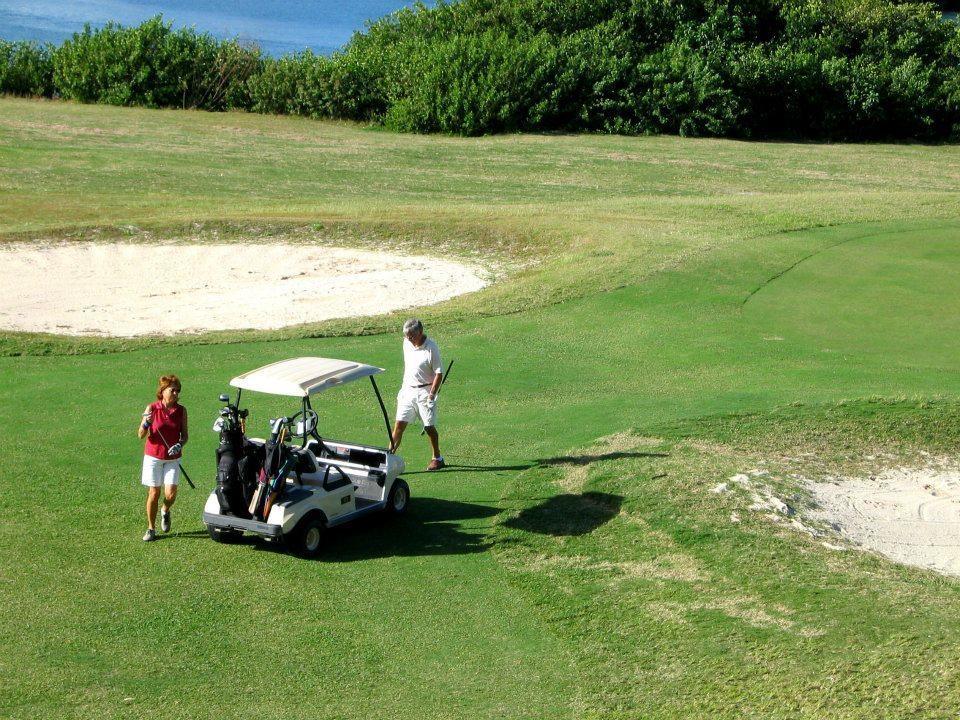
{"x":415,"y":402}
{"x":160,"y":472}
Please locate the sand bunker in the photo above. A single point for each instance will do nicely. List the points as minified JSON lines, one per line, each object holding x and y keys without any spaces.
{"x":911,"y":516}
{"x":126,"y":289}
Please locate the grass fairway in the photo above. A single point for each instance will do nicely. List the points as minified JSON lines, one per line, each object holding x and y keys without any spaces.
{"x":676,"y":311}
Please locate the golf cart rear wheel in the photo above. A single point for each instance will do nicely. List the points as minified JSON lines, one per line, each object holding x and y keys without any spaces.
{"x":306,"y":540}
{"x":224,"y":536}
{"x":399,"y":497}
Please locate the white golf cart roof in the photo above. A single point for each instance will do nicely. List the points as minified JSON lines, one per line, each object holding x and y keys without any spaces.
{"x":303,"y":376}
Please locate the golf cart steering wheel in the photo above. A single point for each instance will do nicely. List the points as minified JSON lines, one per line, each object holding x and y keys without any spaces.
{"x":309,"y":418}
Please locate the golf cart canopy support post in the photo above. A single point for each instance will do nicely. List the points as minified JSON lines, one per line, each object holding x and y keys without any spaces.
{"x":383,"y":409}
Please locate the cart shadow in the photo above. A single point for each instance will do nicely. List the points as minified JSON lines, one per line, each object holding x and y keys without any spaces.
{"x":432,"y":526}
{"x":429,"y":527}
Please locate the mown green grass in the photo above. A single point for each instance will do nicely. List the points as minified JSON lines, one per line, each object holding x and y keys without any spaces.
{"x":550,"y":572}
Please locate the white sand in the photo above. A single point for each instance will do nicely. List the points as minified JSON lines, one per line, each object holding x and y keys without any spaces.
{"x":125,"y":289}
{"x":911,"y":516}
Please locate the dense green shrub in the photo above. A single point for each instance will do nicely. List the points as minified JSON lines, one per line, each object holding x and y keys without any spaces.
{"x":478,"y":84}
{"x":155,"y":66}
{"x":818,"y":69}
{"x":25,"y":69}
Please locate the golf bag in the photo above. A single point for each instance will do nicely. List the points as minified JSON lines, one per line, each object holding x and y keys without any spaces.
{"x":237,"y":477}
{"x":249,"y":469}
{"x":274,"y":452}
{"x":237,"y":464}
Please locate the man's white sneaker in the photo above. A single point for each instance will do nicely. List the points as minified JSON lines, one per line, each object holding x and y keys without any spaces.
{"x":150,"y":535}
{"x":165,"y":520}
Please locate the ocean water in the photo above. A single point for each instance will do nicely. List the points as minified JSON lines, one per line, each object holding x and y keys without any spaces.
{"x":277,"y":26}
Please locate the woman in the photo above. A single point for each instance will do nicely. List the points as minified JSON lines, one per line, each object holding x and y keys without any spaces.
{"x":164,"y":425}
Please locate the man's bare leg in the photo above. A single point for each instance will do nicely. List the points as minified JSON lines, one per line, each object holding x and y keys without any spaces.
{"x":434,"y":439}
{"x":398,"y":429}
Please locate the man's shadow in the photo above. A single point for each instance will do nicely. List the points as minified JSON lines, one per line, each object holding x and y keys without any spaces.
{"x":585,"y":459}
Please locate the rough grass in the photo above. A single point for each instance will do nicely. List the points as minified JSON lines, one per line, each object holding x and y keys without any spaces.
{"x":576,"y":215}
{"x":694,"y":613}
{"x":650,"y":340}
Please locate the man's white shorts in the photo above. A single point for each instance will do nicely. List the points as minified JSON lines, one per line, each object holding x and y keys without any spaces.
{"x":413,"y":403}
{"x":160,"y":472}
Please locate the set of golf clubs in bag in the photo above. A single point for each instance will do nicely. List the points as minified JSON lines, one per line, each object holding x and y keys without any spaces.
{"x":250,"y":477}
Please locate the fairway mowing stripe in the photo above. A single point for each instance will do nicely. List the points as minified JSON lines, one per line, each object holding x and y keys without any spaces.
{"x":780,"y":274}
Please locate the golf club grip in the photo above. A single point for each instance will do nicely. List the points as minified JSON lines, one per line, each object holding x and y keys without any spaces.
{"x":255,"y":500}
{"x":268,"y":505}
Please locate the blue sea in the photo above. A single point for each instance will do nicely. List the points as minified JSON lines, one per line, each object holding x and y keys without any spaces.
{"x":277,"y":26}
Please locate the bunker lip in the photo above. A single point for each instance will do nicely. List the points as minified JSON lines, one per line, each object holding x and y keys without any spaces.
{"x":132,"y":289}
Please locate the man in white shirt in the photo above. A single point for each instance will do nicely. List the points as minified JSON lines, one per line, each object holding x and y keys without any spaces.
{"x":422,"y":375}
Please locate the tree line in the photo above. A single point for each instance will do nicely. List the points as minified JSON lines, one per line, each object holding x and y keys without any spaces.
{"x":792,"y":69}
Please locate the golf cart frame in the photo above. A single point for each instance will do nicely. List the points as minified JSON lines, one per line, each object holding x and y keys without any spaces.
{"x":328,"y":482}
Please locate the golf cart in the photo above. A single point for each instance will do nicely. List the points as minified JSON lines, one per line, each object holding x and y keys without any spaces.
{"x":295,"y":484}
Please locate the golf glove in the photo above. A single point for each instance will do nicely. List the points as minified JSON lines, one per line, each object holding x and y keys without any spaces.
{"x":175,"y":449}
{"x":147,"y":420}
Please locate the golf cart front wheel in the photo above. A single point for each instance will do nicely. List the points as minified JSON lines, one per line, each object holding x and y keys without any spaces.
{"x":399,"y":497}
{"x":306,"y":540}
{"x":224,"y":536}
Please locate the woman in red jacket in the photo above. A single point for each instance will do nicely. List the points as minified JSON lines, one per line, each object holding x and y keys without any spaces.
{"x":164,"y":426}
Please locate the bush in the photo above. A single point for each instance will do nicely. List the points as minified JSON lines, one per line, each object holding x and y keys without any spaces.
{"x":25,"y":69}
{"x":155,"y":66}
{"x":478,"y":84}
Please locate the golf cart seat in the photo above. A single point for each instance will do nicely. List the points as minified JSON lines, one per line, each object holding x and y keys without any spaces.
{"x":329,"y":474}
{"x":360,"y":456}
{"x":305,"y":462}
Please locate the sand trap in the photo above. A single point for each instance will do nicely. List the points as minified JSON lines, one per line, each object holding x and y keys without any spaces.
{"x":126,"y":289}
{"x":910,"y":516}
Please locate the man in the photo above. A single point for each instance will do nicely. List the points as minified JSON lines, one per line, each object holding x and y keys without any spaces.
{"x":422,"y":375}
